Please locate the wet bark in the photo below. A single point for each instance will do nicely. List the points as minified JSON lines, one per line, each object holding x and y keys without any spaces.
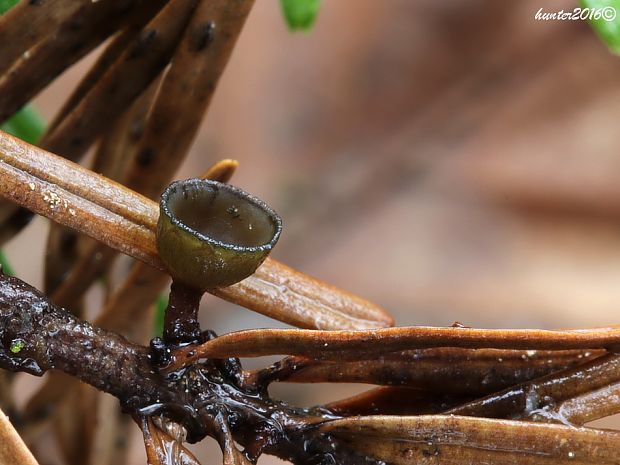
{"x":36,"y":336}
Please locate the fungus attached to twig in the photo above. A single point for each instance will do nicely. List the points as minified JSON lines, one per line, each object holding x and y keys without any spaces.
{"x":209,"y":235}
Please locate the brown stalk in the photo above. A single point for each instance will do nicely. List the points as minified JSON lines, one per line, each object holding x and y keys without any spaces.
{"x":56,"y":173}
{"x":287,"y":295}
{"x":127,"y":309}
{"x":356,"y":345}
{"x":130,"y":75}
{"x":118,"y":147}
{"x":40,"y":407}
{"x":5,"y":214}
{"x":13,"y":449}
{"x":63,"y":250}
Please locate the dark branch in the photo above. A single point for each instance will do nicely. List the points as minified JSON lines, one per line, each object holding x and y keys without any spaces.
{"x":36,"y":336}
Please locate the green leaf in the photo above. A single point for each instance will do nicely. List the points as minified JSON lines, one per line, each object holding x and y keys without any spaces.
{"x":6,"y":266}
{"x":300,"y":14}
{"x":25,"y":124}
{"x":604,"y":17}
{"x":6,"y":5}
{"x":160,"y":310}
{"x":8,"y":126}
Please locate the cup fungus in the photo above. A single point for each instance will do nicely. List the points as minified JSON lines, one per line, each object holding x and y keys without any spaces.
{"x":210,"y":235}
{"x":213,"y":235}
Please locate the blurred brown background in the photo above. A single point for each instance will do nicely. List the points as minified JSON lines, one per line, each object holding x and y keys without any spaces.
{"x":447,"y":160}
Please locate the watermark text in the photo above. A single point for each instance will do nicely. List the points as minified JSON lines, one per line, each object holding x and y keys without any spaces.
{"x":607,"y":13}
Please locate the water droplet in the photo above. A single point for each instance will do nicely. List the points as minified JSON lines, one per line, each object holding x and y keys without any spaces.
{"x":233,"y":211}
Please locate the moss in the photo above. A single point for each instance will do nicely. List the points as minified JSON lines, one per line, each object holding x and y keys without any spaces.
{"x":17,"y":345}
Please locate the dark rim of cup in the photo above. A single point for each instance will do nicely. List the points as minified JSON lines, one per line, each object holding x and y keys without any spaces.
{"x":273,"y":216}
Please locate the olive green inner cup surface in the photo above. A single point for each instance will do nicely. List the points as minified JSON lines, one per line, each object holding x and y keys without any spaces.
{"x":221,"y":215}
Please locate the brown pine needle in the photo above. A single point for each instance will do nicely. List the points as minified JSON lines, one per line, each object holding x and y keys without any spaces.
{"x":586,"y":407}
{"x":479,"y":371}
{"x":455,"y":440}
{"x":107,"y":58}
{"x":129,"y":76}
{"x":356,"y":345}
{"x":126,"y":221}
{"x":221,"y":171}
{"x":186,"y":89}
{"x":43,"y":20}
{"x":524,"y":400}
{"x":12,"y":449}
{"x":36,"y":67}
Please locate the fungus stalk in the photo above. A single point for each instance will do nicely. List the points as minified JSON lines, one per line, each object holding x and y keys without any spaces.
{"x":181,"y":324}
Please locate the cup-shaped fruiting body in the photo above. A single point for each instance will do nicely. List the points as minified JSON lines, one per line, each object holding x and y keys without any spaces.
{"x":211,"y":234}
